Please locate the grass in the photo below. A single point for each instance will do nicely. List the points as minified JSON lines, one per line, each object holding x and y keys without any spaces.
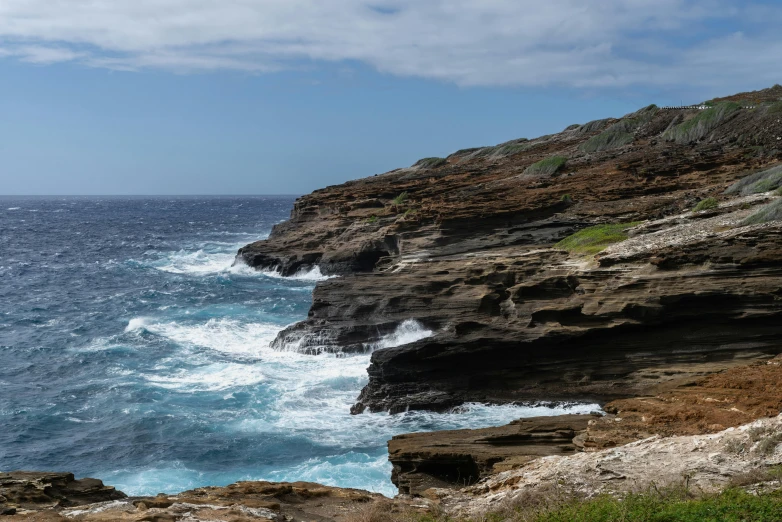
{"x":701,"y":125}
{"x":546,"y":167}
{"x":401,"y":199}
{"x":430,"y":163}
{"x":593,"y":126}
{"x":620,"y":133}
{"x":610,"y":138}
{"x":732,"y":505}
{"x":775,"y":108}
{"x":763,"y":181}
{"x":766,"y":213}
{"x":676,"y":504}
{"x":706,"y":204}
{"x":503,"y":149}
{"x":372,"y":219}
{"x":594,"y":239}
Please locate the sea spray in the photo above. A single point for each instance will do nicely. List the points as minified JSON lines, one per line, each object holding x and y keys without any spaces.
{"x":140,"y":354}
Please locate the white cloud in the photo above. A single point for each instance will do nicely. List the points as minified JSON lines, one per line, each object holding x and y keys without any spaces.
{"x":469,"y":42}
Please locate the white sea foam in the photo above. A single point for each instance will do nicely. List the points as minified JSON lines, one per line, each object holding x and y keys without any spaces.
{"x":352,"y":470}
{"x":408,"y":331}
{"x":222,"y":335}
{"x":212,"y":377}
{"x":304,"y":397}
{"x":14,"y":208}
{"x":313,"y":274}
{"x":136,"y":324}
{"x":199,"y":262}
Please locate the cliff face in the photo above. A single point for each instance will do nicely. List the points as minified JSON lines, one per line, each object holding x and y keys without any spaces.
{"x":467,"y":246}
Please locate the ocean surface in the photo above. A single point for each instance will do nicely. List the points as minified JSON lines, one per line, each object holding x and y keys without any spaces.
{"x":132,"y":350}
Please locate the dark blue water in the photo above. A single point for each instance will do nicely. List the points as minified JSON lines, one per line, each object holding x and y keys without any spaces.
{"x":131,"y":350}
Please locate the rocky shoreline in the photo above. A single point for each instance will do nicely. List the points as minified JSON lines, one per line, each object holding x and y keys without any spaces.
{"x":468,"y":246}
{"x":634,"y":262}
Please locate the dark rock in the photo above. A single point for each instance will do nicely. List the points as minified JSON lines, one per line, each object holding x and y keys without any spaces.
{"x":38,"y":490}
{"x":457,"y":458}
{"x":471,"y":255}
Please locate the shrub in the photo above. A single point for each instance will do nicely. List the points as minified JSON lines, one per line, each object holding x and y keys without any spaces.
{"x":430,"y":163}
{"x":702,"y":124}
{"x":546,"y":167}
{"x":778,"y":192}
{"x":770,"y":212}
{"x":759,"y":182}
{"x":768,"y":445}
{"x":401,"y":199}
{"x":567,"y":198}
{"x":594,"y":239}
{"x":372,"y":219}
{"x":706,"y":204}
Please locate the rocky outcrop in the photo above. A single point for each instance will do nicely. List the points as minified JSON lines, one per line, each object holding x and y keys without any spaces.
{"x":687,"y":403}
{"x":467,"y":247}
{"x":33,"y":491}
{"x":240,"y":502}
{"x":457,"y":458}
{"x":704,"y":463}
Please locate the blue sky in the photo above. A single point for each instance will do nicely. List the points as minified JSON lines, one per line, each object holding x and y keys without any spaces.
{"x":285,"y":96}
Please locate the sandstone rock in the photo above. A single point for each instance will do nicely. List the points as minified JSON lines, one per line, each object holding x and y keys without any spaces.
{"x":457,"y":458}
{"x":25,"y":490}
{"x":701,"y":462}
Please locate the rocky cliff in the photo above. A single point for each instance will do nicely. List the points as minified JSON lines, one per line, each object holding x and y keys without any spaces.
{"x":471,"y":246}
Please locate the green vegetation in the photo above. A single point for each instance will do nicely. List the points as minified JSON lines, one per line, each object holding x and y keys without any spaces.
{"x":372,"y":219}
{"x":733,"y":505}
{"x":766,"y":213}
{"x":621,"y":132}
{"x":594,"y":239}
{"x":702,"y":124}
{"x":775,"y":108}
{"x":778,"y":192}
{"x":556,"y":504}
{"x":430,"y":163}
{"x":567,"y":198}
{"x":610,"y":138}
{"x":593,"y":126}
{"x":763,"y":181}
{"x":546,"y":167}
{"x":401,"y":199}
{"x":706,"y":204}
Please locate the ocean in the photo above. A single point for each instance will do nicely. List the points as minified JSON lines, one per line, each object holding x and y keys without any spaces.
{"x":132,"y":350}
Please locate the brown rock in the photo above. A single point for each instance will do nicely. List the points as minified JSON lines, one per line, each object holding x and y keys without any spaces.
{"x":456,"y":458}
{"x":516,"y":319}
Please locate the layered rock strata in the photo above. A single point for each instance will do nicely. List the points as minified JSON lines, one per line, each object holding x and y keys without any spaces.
{"x":240,"y":502}
{"x":689,"y":404}
{"x":458,"y":458}
{"x":467,"y":247}
{"x":702,"y":463}
{"x":22,"y":491}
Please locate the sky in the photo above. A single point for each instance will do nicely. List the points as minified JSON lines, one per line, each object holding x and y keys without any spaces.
{"x":287,"y":96}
